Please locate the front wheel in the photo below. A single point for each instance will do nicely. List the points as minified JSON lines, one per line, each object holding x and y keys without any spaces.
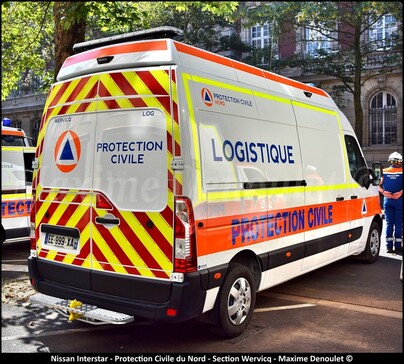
{"x":372,"y":249}
{"x":236,"y":301}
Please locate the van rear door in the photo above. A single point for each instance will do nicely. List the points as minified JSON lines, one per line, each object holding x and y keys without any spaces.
{"x":106,"y":195}
{"x":131,"y":233}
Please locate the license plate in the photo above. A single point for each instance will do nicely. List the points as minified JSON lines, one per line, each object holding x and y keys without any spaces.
{"x":61,"y":241}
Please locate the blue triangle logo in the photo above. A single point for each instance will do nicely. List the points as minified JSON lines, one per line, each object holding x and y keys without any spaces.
{"x":364,"y":208}
{"x":67,"y":154}
{"x":207,"y":97}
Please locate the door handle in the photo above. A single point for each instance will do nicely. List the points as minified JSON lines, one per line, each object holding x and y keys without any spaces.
{"x":354,"y":197}
{"x":340,"y":198}
{"x":107,"y":220}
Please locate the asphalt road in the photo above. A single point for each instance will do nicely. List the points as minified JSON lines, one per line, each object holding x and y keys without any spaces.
{"x":346,"y":308}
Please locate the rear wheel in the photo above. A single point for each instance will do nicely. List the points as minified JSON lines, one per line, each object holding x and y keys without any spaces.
{"x":236,"y":301}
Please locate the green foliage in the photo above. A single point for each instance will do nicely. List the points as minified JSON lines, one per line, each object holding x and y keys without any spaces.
{"x":28,"y":30}
{"x":199,"y":25}
{"x":26,"y":44}
{"x":109,"y":17}
{"x":225,"y":9}
{"x":198,"y":20}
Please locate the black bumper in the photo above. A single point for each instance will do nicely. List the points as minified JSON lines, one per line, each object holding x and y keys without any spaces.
{"x":140,"y":297}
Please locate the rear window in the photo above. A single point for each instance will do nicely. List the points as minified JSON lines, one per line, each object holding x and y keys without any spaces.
{"x":122,"y":154}
{"x":12,"y":141}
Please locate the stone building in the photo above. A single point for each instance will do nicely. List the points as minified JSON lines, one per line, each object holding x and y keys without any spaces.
{"x":381,"y":96}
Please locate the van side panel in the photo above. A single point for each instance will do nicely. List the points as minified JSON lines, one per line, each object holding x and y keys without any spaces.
{"x":250,"y":169}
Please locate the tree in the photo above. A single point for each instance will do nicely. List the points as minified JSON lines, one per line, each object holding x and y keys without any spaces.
{"x":39,"y":36}
{"x":346,"y":26}
{"x":70,"y":26}
{"x":201,"y":28}
{"x":26,"y":35}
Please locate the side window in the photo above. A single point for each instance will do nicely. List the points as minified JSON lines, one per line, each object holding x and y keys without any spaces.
{"x":357,"y":165}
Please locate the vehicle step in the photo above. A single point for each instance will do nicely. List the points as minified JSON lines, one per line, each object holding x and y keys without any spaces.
{"x":76,"y":310}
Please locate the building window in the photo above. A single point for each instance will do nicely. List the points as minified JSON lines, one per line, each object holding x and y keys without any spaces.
{"x":316,"y":42}
{"x":260,"y":36}
{"x":383,"y":119}
{"x":16,"y":124}
{"x":264,"y":50}
{"x":382,"y":32}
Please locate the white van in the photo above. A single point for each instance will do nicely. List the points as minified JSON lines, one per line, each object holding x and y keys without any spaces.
{"x":16,"y":193}
{"x":174,"y":184}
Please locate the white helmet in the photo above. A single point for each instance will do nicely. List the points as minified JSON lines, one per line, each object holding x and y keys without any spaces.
{"x":395,"y":158}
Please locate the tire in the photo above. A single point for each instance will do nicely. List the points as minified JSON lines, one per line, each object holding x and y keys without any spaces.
{"x":372,"y":249}
{"x":236,"y":301}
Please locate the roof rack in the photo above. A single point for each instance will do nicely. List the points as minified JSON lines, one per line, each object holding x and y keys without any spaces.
{"x":154,"y":33}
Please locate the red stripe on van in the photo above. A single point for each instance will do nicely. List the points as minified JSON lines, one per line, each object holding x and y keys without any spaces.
{"x":173,"y":76}
{"x":84,"y":253}
{"x":156,"y":45}
{"x":83,"y":107}
{"x":176,"y":146}
{"x":167,"y":213}
{"x":103,"y":91}
{"x":63,"y":110}
{"x":137,"y":102}
{"x":122,"y":82}
{"x":136,"y":243}
{"x":246,"y":68}
{"x":152,"y":84}
{"x":165,"y":102}
{"x":59,"y":257}
{"x":117,"y":250}
{"x":59,"y":94}
{"x":77,"y":89}
{"x":156,"y":235}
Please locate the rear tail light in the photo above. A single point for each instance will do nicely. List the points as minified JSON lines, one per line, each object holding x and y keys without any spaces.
{"x":102,"y":203}
{"x":184,"y":228}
